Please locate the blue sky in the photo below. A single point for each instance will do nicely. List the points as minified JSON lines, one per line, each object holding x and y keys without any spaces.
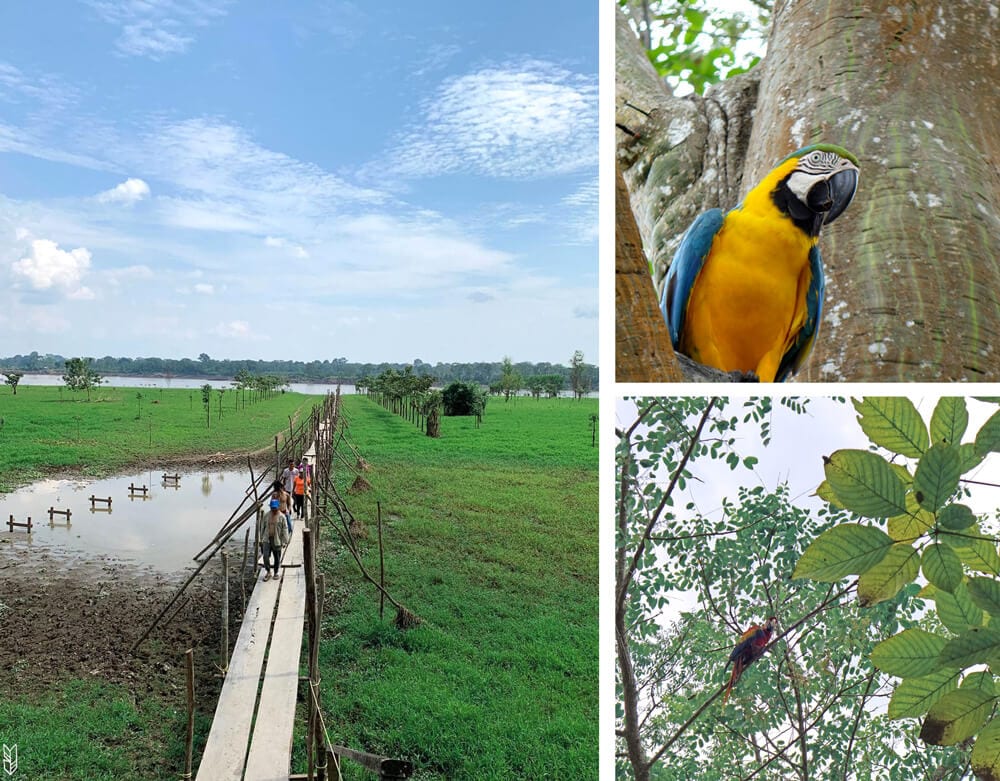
{"x":301,"y":180}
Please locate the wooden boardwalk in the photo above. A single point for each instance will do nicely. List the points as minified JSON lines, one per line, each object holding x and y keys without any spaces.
{"x":251,"y":734}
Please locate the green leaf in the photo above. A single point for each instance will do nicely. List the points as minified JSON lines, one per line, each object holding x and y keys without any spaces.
{"x":825,"y":492}
{"x":865,"y":484}
{"x":914,"y":696}
{"x":847,"y":549}
{"x":981,"y":679}
{"x":949,"y":421}
{"x":936,"y":478}
{"x":958,"y":715}
{"x":969,"y":457}
{"x":893,"y":422}
{"x":956,"y":609}
{"x":985,"y":592}
{"x":910,"y":654}
{"x":986,"y":753}
{"x":883,"y":581}
{"x":942,"y":567}
{"x":978,"y":645}
{"x":988,"y":438}
{"x":956,"y":516}
{"x":978,"y":554}
{"x":909,"y":526}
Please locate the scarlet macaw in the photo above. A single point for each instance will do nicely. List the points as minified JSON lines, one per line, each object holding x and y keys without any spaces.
{"x":748,"y":650}
{"x":745,"y":289}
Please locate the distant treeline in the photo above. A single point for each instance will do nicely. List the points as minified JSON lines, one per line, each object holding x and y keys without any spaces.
{"x":336,"y":370}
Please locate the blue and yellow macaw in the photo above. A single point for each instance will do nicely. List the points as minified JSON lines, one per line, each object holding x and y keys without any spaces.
{"x":745,"y":289}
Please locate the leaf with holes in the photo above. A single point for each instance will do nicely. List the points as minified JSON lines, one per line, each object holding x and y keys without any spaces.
{"x":910,"y":654}
{"x":847,"y":549}
{"x":949,"y":420}
{"x":865,"y":483}
{"x":957,"y":716}
{"x":893,"y":423}
{"x":914,"y":696}
{"x":942,"y":567}
{"x":936,"y":478}
{"x":883,"y":581}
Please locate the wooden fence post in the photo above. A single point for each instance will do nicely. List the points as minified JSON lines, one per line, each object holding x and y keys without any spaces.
{"x":189,"y":659}
{"x":225,"y":612}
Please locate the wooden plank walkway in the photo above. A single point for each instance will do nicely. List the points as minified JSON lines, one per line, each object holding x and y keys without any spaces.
{"x":271,"y":745}
{"x":226,"y":756}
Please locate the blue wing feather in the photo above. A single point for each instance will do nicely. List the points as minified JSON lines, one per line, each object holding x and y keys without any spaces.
{"x":803,"y":344}
{"x":684,"y":269}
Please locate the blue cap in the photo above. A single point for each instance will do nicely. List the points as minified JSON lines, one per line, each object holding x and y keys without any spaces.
{"x":275,"y":504}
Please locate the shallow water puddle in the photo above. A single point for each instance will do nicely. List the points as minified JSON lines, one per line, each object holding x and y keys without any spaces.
{"x":162,"y":528}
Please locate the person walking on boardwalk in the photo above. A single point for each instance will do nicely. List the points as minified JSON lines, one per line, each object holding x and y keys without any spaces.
{"x":286,"y":502}
{"x":299,"y":492}
{"x":288,"y":484}
{"x":273,"y":535}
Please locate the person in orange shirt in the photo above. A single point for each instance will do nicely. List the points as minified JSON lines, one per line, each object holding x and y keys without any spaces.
{"x":299,"y":493}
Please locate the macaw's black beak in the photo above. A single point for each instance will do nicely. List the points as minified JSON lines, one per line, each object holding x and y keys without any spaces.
{"x":835,"y":194}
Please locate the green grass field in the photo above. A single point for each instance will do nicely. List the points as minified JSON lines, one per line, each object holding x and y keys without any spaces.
{"x":48,"y":429}
{"x":491,"y":538}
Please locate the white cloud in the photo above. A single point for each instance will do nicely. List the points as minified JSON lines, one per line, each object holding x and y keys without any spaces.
{"x":204,"y":289}
{"x":236,"y":329}
{"x":49,"y":267}
{"x":522,"y":120}
{"x":82,"y":294}
{"x":157,"y":28}
{"x":296,"y":249}
{"x":128,"y":192}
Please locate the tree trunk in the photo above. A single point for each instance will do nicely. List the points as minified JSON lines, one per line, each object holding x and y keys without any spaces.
{"x":913,"y":266}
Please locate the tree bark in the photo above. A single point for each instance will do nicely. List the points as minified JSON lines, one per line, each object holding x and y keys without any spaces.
{"x":913,"y":89}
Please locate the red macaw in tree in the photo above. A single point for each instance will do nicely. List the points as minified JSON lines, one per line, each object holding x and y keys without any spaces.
{"x":748,"y":650}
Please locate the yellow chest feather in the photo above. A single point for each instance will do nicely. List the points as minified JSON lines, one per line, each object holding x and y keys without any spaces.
{"x":749,"y":300}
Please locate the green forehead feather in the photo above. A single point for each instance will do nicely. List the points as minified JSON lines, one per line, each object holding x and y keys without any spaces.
{"x":837,"y":150}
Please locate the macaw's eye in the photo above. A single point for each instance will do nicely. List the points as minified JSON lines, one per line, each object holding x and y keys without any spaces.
{"x":816,"y":157}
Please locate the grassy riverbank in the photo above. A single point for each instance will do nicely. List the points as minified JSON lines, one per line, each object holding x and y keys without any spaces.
{"x":50,"y":430}
{"x":491,"y":538}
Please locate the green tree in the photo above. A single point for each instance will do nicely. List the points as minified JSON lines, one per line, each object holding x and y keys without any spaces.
{"x":908,"y":516}
{"x":206,"y":399}
{"x":689,"y":42}
{"x":510,"y":379}
{"x":12,"y":379}
{"x":463,"y":398}
{"x":577,"y":375}
{"x":805,"y":709}
{"x":81,"y":376}
{"x":139,"y":397}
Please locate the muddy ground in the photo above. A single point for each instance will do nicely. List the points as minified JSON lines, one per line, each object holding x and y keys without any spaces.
{"x":69,"y":618}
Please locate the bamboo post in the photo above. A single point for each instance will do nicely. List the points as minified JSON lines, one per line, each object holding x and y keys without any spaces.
{"x":225,"y":612}
{"x":319,"y":738}
{"x":189,"y":743}
{"x":381,"y":564}
{"x":307,"y":560}
{"x":243,"y":570}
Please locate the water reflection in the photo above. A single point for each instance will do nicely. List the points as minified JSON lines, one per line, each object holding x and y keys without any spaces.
{"x":163,"y":526}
